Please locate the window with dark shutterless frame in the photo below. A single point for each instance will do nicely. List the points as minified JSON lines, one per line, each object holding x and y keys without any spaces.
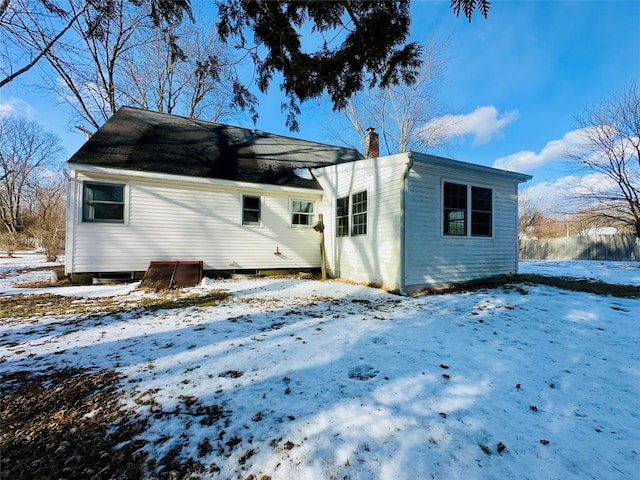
{"x":481,"y":212}
{"x":455,"y":209}
{"x":251,"y":210}
{"x":342,"y":217}
{"x":467,"y":210}
{"x":103,"y":202}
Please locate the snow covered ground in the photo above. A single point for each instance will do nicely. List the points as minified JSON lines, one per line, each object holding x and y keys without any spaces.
{"x":624,"y":273}
{"x":295,"y":379}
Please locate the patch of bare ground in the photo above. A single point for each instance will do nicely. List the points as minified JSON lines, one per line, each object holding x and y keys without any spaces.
{"x":68,"y":424}
{"x":581,"y":285}
{"x":20,"y":271}
{"x":508,"y":283}
{"x":34,"y":306}
{"x":21,"y":306}
{"x":65,"y":282}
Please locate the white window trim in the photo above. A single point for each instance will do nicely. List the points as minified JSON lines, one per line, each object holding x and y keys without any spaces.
{"x":313,"y":215}
{"x":469,"y":185}
{"x":125,"y":209}
{"x":260,"y":224}
{"x":352,"y":214}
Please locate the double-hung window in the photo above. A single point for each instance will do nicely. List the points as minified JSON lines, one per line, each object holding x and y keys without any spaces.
{"x":103,"y":202}
{"x":466,"y":204}
{"x":302,"y":212}
{"x":351,"y":211}
{"x":251,"y":210}
{"x":359,"y":213}
{"x":481,"y":212}
{"x":342,"y":217}
{"x":455,"y":209}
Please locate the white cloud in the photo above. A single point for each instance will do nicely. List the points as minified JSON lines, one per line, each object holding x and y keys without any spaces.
{"x":15,"y":106}
{"x":554,"y":151}
{"x":5,"y":110}
{"x":484,"y":123}
{"x":563,"y":194}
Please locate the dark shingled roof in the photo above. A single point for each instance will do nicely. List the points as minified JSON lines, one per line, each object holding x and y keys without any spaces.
{"x":140,"y":140}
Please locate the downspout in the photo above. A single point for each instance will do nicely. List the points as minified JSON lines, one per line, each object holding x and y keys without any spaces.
{"x":517,"y":187}
{"x":403,"y":203}
{"x":70,"y":222}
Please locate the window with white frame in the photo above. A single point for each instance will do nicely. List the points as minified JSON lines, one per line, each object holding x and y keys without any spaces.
{"x":251,"y":210}
{"x":103,"y":202}
{"x":359,"y":213}
{"x":302,"y":212}
{"x":464,"y":204}
{"x":351,"y":211}
{"x":342,"y":217}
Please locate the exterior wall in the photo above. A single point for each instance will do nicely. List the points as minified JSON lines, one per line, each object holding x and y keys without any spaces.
{"x":435,"y":260}
{"x":376,"y":256}
{"x":178,"y":219}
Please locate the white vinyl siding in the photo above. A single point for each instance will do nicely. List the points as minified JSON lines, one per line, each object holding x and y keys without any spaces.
{"x":373,"y":257}
{"x":430,"y":258}
{"x":178,"y":220}
{"x":435,"y":259}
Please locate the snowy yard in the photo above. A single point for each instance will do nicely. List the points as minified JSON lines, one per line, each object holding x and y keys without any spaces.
{"x":290,"y":379}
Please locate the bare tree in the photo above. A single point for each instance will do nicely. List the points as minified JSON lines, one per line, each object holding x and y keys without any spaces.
{"x":117,"y":56}
{"x":399,"y":111}
{"x":48,"y":214}
{"x":33,"y":26}
{"x":26,"y":153}
{"x":84,"y":72}
{"x":529,"y":216}
{"x":30,"y":29}
{"x":611,"y":155}
{"x":192,"y":81}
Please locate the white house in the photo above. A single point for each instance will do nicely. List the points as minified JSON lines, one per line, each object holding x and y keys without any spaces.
{"x":156,"y":187}
{"x":410,"y":221}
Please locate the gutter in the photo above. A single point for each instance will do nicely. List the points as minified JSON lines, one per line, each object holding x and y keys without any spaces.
{"x":403,"y":204}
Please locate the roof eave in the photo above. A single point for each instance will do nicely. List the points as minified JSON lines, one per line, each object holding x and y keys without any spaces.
{"x":471,"y":167}
{"x":137,"y":174}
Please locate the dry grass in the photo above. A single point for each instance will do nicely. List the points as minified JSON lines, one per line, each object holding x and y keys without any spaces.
{"x":67,"y":424}
{"x":48,"y":304}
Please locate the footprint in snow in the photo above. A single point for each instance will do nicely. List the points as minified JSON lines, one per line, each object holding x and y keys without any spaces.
{"x":364,"y":372}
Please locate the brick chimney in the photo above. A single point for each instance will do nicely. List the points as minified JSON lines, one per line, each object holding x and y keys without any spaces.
{"x":371,"y":143}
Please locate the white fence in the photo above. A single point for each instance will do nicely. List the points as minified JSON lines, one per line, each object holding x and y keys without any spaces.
{"x":597,"y":247}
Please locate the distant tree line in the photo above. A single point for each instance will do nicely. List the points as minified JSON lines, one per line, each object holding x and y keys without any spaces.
{"x":32,"y":189}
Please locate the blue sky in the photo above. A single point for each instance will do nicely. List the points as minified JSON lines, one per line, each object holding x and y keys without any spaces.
{"x":515,"y":83}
